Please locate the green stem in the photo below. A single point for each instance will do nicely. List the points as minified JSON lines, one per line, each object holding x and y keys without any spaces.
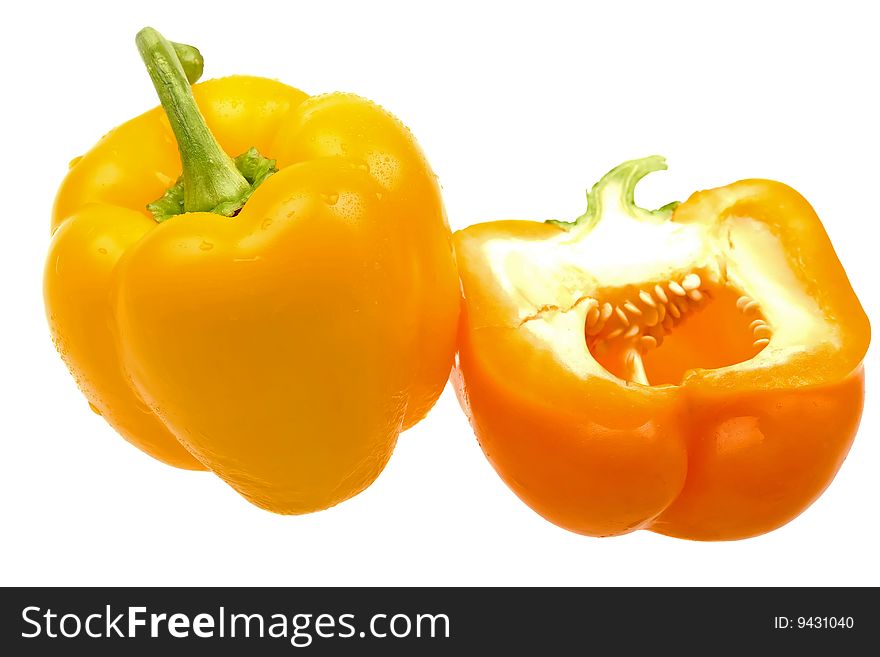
{"x":191,"y":60}
{"x":615,"y":192}
{"x":210,"y":177}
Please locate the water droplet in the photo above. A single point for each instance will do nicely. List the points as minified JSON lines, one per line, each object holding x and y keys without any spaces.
{"x":74,"y":162}
{"x":266,"y":223}
{"x":379,"y":195}
{"x":94,"y":409}
{"x":102,"y":251}
{"x":330,"y":199}
{"x":206,"y":246}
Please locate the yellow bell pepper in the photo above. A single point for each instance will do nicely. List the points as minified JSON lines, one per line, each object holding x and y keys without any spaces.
{"x":278,"y":322}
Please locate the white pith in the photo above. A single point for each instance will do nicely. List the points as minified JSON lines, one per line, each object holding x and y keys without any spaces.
{"x":558,"y":285}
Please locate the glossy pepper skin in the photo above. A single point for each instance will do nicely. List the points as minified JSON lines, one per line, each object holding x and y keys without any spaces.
{"x":286,"y":347}
{"x":726,"y":452}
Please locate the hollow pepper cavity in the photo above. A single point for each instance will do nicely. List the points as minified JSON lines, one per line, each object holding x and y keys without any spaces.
{"x":277,"y":318}
{"x":694,"y":370}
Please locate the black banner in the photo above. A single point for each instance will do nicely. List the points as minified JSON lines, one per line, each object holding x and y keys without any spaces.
{"x":418,"y":621}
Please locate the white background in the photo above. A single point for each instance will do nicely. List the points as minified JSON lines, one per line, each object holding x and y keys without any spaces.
{"x":520,"y":107}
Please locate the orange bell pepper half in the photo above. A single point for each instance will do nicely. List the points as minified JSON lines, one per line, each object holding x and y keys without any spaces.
{"x":276,"y":321}
{"x":694,"y":370}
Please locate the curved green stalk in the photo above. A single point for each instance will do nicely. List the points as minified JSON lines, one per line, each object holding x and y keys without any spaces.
{"x":211,"y":181}
{"x":617,"y":189}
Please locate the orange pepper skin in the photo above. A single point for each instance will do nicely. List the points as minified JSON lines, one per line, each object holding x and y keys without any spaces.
{"x":757,"y":459}
{"x":287,"y":347}
{"x":726,"y":454}
{"x":591,"y":459}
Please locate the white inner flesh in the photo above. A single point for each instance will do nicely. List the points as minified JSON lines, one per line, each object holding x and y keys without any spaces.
{"x":757,"y":264}
{"x":550,"y":281}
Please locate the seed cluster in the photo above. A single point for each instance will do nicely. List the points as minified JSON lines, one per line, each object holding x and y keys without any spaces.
{"x":761,"y":332}
{"x":640,"y":319}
